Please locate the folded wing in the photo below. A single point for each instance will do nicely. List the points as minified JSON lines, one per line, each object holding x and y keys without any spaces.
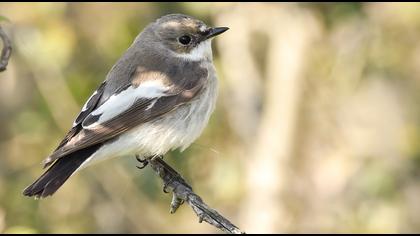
{"x":134,"y":104}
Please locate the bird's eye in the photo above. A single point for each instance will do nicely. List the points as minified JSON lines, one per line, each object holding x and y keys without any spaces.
{"x":185,"y":39}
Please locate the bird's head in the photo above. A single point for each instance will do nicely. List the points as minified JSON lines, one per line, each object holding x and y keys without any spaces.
{"x":185,"y":36}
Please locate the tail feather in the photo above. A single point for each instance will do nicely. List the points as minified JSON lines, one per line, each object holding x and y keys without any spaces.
{"x":49,"y":182}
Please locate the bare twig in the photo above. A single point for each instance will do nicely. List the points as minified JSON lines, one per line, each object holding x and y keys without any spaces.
{"x":182,"y":192}
{"x":6,"y":51}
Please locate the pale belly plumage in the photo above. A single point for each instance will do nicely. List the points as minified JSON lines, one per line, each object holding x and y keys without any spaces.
{"x":177,"y":129}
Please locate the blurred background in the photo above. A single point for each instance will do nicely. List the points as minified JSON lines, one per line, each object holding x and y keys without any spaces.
{"x":317,"y":126}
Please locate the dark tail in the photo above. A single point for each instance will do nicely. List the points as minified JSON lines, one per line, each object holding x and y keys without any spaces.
{"x":58,"y":173}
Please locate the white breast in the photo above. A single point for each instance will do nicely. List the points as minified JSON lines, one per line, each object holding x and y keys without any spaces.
{"x":177,"y":129}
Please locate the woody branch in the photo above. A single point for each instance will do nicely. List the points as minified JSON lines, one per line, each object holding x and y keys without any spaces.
{"x":6,"y":51}
{"x":182,"y":192}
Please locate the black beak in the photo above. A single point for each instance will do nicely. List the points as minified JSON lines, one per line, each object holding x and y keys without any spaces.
{"x":215,"y":31}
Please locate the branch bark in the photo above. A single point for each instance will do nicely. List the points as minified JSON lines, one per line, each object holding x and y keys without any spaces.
{"x":182,"y":192}
{"x":6,"y":51}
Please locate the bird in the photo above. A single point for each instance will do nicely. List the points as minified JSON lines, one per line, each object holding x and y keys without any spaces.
{"x":156,"y":98}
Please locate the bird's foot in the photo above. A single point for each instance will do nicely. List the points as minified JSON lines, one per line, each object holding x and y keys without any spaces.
{"x":175,"y":203}
{"x":144,"y":162}
{"x":179,"y":188}
{"x":172,"y":181}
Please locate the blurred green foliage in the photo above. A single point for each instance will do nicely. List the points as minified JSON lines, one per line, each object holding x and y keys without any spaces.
{"x":356,"y":159}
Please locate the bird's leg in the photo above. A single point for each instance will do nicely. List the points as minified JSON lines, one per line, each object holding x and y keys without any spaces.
{"x":171,"y":180}
{"x":144,"y":162}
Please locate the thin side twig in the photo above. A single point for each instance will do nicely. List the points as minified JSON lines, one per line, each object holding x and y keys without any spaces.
{"x":6,"y":51}
{"x":182,"y":192}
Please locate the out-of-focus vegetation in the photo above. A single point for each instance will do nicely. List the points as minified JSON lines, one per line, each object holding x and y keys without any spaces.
{"x":317,"y":126}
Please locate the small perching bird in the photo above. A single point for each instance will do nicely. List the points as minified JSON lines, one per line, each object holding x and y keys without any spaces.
{"x":157,"y":97}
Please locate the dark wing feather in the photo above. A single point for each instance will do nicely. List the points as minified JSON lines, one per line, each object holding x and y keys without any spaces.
{"x":90,"y":105}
